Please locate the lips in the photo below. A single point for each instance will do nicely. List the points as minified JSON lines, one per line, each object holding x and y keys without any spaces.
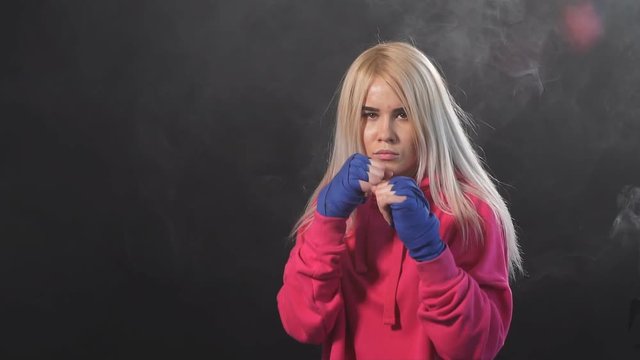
{"x":389,"y":152}
{"x":386,"y":155}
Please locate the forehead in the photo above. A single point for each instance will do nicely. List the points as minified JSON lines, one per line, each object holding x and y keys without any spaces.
{"x":382,"y":94}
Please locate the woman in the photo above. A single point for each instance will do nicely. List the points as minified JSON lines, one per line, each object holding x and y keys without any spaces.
{"x":405,"y":248}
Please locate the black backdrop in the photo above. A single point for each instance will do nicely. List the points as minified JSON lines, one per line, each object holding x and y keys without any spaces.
{"x":155,"y":154}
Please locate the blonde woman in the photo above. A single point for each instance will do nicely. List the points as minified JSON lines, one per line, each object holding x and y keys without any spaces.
{"x":405,"y":248}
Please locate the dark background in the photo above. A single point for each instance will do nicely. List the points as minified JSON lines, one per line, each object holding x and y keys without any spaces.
{"x":155,"y":154}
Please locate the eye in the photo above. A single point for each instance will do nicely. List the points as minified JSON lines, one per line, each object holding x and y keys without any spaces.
{"x":402,"y":115}
{"x":370,"y":115}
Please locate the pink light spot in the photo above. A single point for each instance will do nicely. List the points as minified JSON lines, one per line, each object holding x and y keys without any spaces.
{"x":583,"y":26}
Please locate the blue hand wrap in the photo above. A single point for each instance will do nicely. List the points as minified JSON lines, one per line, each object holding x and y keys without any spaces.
{"x":343,"y":194}
{"x":416,"y":226}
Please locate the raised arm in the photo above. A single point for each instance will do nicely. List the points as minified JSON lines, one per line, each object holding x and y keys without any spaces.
{"x":465,"y":299}
{"x":466,"y":303}
{"x":310,"y":299}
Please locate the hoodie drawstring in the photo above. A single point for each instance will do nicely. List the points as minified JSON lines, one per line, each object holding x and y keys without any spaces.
{"x":398,"y":252}
{"x":389,"y":314}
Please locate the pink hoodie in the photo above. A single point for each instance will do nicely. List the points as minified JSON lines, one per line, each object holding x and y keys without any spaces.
{"x":362,"y":296}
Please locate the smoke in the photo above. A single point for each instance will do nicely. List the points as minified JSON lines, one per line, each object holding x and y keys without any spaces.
{"x":627,"y":222}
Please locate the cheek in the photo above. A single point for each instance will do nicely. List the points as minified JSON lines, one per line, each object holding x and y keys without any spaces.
{"x":367,"y":135}
{"x":410,"y":157}
{"x":408,"y":140}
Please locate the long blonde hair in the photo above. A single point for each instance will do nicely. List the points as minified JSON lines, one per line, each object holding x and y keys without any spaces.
{"x":443,"y":148}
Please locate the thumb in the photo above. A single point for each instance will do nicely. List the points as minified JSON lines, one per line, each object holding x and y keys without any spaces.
{"x":387,"y":175}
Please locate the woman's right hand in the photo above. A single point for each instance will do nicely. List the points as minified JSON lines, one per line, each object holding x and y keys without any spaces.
{"x":347,"y":189}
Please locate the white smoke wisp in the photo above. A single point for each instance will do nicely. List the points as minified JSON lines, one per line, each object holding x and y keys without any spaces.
{"x":627,"y":221}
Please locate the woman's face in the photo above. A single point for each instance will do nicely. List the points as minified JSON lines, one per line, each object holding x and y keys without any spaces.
{"x":388,"y":133}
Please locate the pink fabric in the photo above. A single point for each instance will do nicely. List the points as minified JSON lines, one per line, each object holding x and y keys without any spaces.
{"x":362,"y":296}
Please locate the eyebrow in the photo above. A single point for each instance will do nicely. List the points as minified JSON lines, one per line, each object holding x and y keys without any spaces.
{"x":368,"y":108}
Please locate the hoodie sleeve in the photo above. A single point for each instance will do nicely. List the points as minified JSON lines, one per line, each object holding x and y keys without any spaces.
{"x":310,"y":299}
{"x":465,"y":299}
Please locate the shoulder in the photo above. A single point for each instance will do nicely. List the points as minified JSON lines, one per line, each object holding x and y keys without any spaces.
{"x":482,"y":208}
{"x":484,"y":242}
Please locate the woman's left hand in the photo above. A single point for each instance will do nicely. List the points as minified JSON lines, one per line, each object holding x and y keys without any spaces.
{"x":416,"y":226}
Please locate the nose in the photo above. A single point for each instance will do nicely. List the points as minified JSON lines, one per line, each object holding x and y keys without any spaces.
{"x":385,"y":130}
